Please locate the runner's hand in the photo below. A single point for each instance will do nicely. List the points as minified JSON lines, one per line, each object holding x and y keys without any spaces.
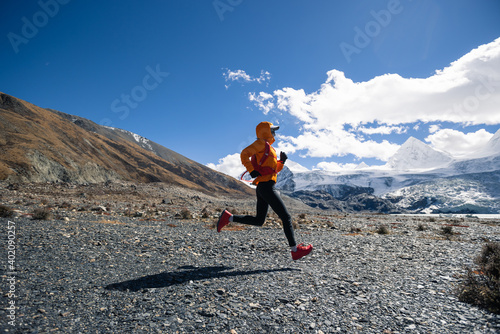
{"x":254,"y":174}
{"x":283,"y":157}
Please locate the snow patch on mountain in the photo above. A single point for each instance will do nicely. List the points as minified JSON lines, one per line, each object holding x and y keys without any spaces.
{"x":362,"y":165}
{"x":295,"y":167}
{"x":142,"y":141}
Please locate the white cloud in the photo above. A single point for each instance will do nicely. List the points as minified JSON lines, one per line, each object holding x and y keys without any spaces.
{"x":263,"y":100}
{"x":458,"y":143}
{"x":264,"y":76}
{"x":238,"y":75}
{"x":229,"y":165}
{"x":467,"y":92}
{"x":326,"y":143}
{"x":242,"y":77}
{"x":434,"y":127}
{"x":383,"y":130}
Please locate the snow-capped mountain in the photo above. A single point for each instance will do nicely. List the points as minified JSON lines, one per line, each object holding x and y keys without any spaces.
{"x":417,"y":178}
{"x":414,"y":154}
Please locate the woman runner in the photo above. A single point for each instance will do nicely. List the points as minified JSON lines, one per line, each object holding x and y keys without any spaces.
{"x":265,"y":179}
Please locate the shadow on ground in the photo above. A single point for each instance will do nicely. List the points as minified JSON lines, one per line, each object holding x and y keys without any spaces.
{"x":185,"y":274}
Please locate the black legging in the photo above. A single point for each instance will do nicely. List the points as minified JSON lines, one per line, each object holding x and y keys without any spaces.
{"x":267,"y":196}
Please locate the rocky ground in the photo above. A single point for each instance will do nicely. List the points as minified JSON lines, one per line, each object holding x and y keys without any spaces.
{"x":145,"y":258}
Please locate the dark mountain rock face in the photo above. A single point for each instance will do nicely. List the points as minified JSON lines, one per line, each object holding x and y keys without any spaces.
{"x":348,"y":203}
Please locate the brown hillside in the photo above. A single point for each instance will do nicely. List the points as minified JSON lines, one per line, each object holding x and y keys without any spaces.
{"x":41,"y":145}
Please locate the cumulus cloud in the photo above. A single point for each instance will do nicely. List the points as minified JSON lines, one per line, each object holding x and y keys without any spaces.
{"x":229,"y":165}
{"x":384,"y":130}
{"x":263,"y":101}
{"x":242,"y":77}
{"x":458,"y":143}
{"x":327,"y":143}
{"x":434,"y":127}
{"x":334,"y":118}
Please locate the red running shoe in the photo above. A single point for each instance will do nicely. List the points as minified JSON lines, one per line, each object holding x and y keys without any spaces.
{"x":223,"y":220}
{"x":301,"y":251}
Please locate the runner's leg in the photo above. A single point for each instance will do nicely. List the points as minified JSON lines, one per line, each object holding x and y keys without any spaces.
{"x":260,"y":218}
{"x":271,"y":197}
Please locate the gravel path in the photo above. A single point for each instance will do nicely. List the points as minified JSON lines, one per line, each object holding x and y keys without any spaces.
{"x":131,"y":276}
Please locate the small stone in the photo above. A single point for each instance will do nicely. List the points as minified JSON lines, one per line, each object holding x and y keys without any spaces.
{"x":206,"y":313}
{"x":254,"y":305}
{"x":409,"y":320}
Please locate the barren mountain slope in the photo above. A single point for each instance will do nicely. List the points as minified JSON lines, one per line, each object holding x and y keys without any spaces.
{"x":40,"y":145}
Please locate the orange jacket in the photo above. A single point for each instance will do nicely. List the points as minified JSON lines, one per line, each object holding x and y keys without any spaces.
{"x":258,"y":147}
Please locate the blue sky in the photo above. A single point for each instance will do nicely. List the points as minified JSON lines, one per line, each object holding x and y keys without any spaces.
{"x":348,"y":81}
